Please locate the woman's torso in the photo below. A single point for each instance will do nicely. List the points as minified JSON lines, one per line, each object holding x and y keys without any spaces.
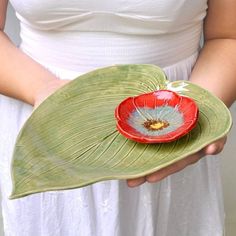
{"x":83,"y":35}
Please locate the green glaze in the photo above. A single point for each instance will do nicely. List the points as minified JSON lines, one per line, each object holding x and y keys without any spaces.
{"x":71,"y":140}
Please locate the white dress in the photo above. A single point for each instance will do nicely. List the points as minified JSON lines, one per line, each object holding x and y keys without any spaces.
{"x":74,"y":37}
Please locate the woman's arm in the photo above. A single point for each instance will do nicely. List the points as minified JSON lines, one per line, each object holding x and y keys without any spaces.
{"x":215,"y":70}
{"x":20,"y":76}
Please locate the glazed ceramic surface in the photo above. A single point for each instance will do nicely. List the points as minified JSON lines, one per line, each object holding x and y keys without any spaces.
{"x":157,"y":117}
{"x":71,"y":139}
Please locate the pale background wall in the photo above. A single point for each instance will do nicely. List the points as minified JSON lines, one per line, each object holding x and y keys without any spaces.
{"x":228,"y":156}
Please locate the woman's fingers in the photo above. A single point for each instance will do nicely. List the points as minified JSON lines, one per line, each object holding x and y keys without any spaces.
{"x":176,"y":167}
{"x":136,"y":182}
{"x":161,"y":174}
{"x":216,"y":147}
{"x":211,"y":149}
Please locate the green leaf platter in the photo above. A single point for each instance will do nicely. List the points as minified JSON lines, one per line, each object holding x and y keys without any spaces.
{"x":71,"y":139}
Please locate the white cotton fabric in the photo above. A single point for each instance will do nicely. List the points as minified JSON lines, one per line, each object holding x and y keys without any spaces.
{"x":71,"y":38}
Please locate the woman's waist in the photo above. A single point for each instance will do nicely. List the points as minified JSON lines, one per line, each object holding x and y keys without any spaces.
{"x":85,"y":51}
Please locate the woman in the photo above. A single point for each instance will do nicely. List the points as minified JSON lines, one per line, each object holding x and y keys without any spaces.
{"x":67,"y":38}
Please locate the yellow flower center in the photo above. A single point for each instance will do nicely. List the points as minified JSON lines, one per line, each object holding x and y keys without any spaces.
{"x":154,"y":125}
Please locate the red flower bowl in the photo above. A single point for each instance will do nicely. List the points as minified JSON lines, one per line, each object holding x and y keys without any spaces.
{"x":156,"y":117}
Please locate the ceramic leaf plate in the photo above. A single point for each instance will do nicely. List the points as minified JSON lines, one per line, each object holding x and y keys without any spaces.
{"x":71,"y":139}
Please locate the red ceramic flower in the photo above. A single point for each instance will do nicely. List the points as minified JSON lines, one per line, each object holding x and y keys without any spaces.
{"x":156,"y":117}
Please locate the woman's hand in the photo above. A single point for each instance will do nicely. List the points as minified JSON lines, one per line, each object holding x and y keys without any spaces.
{"x":47,"y":90}
{"x":211,"y":149}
